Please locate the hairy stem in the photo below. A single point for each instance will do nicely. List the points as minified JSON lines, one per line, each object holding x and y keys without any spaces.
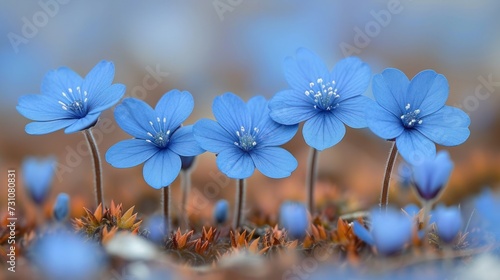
{"x":166,"y":208}
{"x":311,"y":178}
{"x":384,"y":196}
{"x":240,"y":202}
{"x":186,"y":186}
{"x":427,"y":205}
{"x":96,"y":160}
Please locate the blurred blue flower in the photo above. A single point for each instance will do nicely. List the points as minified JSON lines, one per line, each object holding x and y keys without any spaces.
{"x":431,"y":175}
{"x":68,"y":101}
{"x":187,"y":162}
{"x":61,"y":207}
{"x":404,"y":175}
{"x":414,"y":113}
{"x":221,"y":211}
{"x":294,"y":218}
{"x":488,"y":206}
{"x":156,"y":228}
{"x":448,"y":222}
{"x":159,"y":138}
{"x":411,"y":209}
{"x":325,"y":100}
{"x":245,"y":137}
{"x":37,"y":175}
{"x":63,"y":255}
{"x":389,"y":233}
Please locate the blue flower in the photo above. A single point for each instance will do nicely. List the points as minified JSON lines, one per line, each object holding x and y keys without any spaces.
{"x":431,"y":175}
{"x":325,"y":100}
{"x":67,"y":256}
{"x":488,"y":206}
{"x":414,"y":113}
{"x":156,"y":228}
{"x":38,"y":174}
{"x":390,"y":231}
{"x":245,"y":137}
{"x":68,"y":101}
{"x":448,"y":222}
{"x":61,"y":207}
{"x":159,"y":140}
{"x":221,"y":210}
{"x":294,"y":218}
{"x":187,"y":162}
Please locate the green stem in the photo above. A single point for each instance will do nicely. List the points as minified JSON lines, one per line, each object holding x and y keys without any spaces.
{"x":240,"y":202}
{"x":96,"y":160}
{"x":311,"y":178}
{"x":384,"y":196}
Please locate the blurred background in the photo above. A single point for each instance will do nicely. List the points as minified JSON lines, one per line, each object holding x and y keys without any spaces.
{"x":215,"y":46}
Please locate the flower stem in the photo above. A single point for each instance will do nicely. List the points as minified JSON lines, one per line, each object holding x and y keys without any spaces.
{"x":427,"y":205}
{"x":240,"y":202}
{"x":384,"y":196}
{"x":166,"y":207}
{"x":186,"y":186}
{"x":311,"y":178}
{"x":96,"y":159}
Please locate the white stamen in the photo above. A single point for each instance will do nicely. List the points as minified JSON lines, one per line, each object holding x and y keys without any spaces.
{"x":407,"y":107}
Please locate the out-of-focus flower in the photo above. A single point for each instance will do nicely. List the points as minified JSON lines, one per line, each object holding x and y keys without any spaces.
{"x":324,"y":100}
{"x":68,"y":101}
{"x":404,"y":175}
{"x":390,"y":231}
{"x":37,"y":175}
{"x":411,"y":209}
{"x":431,"y":175}
{"x":294,"y":218}
{"x":61,"y":207}
{"x":414,"y":113}
{"x":159,"y":138}
{"x":244,"y":137}
{"x":63,"y":255}
{"x":187,"y":162}
{"x":156,"y":228}
{"x":488,"y":206}
{"x":221,"y":210}
{"x":448,"y":221}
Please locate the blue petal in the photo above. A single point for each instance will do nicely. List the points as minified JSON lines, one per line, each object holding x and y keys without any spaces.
{"x":106,"y":99}
{"x":362,"y":233}
{"x":274,"y":162}
{"x":83,"y":123}
{"x":351,"y":76}
{"x":323,"y":131}
{"x":390,"y":90}
{"x":175,"y":106}
{"x":131,"y":152}
{"x":40,"y":107}
{"x":270,"y":132}
{"x":352,"y":111}
{"x":428,"y":92}
{"x":231,"y":112}
{"x":133,"y":116}
{"x":415,"y":147}
{"x":235,"y":163}
{"x":449,"y":223}
{"x":384,"y":124}
{"x":448,"y":126}
{"x":183,"y":143}
{"x":58,"y":81}
{"x":99,"y":79}
{"x":212,"y":137}
{"x":311,"y":65}
{"x":294,"y":76}
{"x":291,"y":107}
{"x":162,"y":169}
{"x":38,"y":128}
{"x":431,"y":175}
{"x":391,"y":230}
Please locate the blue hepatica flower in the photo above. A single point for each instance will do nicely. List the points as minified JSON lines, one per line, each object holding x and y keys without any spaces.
{"x":38,"y":174}
{"x":64,"y":255}
{"x":390,"y":231}
{"x":61,"y":207}
{"x":414,"y":113}
{"x":68,"y":101}
{"x":488,"y":206}
{"x":221,"y":210}
{"x":324,"y":100}
{"x":245,"y":137}
{"x":448,"y":222}
{"x":431,"y":175}
{"x":159,"y":138}
{"x":294,"y":218}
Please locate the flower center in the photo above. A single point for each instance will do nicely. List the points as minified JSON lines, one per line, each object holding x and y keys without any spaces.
{"x":324,"y":95}
{"x":246,"y":139}
{"x":410,"y":118}
{"x":75,"y":101}
{"x":161,"y":135}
